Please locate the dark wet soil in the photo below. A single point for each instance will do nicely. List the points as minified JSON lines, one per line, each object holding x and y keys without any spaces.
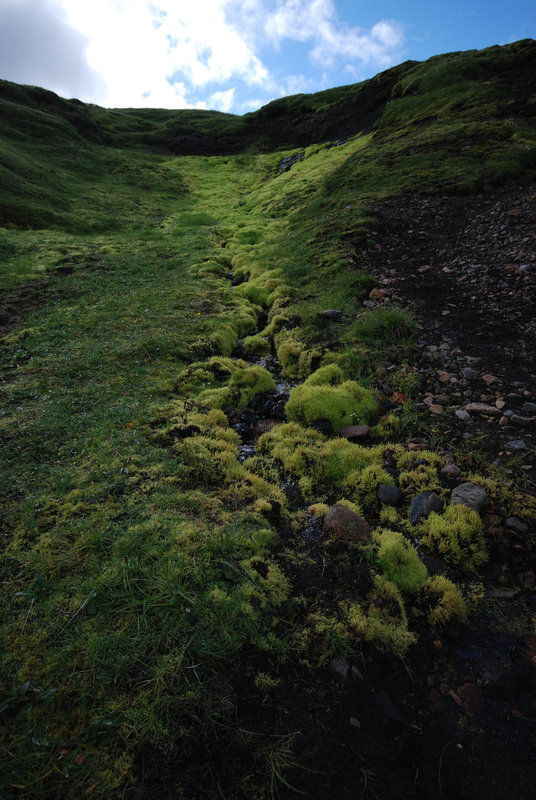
{"x":466,"y":266}
{"x":457,"y":718}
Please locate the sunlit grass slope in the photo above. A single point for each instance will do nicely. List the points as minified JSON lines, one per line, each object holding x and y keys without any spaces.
{"x":144,"y":581}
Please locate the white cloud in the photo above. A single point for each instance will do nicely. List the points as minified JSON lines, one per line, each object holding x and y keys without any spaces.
{"x":167,"y":49}
{"x":222,"y":101}
{"x":39,"y":47}
{"x":183,"y":53}
{"x":316,"y":21}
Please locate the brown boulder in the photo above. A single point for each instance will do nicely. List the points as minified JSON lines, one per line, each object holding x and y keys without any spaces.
{"x":343,"y":523}
{"x":354,"y":432}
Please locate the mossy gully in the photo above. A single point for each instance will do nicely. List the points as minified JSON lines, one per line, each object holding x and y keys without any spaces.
{"x":165,"y":283}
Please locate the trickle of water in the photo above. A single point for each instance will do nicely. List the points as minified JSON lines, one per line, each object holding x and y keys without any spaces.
{"x":246,"y":451}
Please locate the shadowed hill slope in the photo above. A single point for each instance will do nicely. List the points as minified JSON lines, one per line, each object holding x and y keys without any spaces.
{"x":52,"y":148}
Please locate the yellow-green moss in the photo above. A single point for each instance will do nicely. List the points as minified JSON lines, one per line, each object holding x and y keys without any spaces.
{"x":322,"y":637}
{"x":399,"y":561}
{"x":348,"y":504}
{"x":256,"y":346}
{"x":306,"y":455}
{"x":243,"y":383}
{"x":211,"y":461}
{"x":362,"y":485}
{"x":457,"y":535}
{"x":295,"y":358}
{"x":224,"y":339}
{"x":383,"y":621}
{"x":342,"y":404}
{"x":445,"y":600}
{"x":319,"y":509}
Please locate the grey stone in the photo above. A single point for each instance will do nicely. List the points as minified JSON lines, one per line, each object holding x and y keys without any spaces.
{"x":340,"y":669}
{"x":469,"y":494}
{"x":515,"y":524}
{"x":469,"y":374}
{"x":516,"y":445}
{"x":483,"y":408}
{"x":391,"y":495}
{"x":423,"y":505}
{"x":529,"y":408}
{"x":462,"y":414}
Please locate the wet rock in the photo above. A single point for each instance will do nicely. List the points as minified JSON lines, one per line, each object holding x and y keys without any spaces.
{"x":340,"y":669}
{"x":462,"y":414}
{"x":245,"y":451}
{"x":483,"y":408}
{"x":312,"y":533}
{"x":343,"y":523}
{"x":523,"y":422}
{"x":516,"y":445}
{"x":468,"y":494}
{"x":323,"y":426}
{"x":515,"y":524}
{"x":469,"y":374}
{"x":354,"y":432}
{"x":423,"y":505}
{"x":244,"y":430}
{"x":236,"y":280}
{"x":528,"y":409}
{"x":331,"y":313}
{"x":238,"y":349}
{"x":450,"y":471}
{"x":391,"y":495}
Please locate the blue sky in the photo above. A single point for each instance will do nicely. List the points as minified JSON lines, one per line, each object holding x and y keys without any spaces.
{"x":234,"y":55}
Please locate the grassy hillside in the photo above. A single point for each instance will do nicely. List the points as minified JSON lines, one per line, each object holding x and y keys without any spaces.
{"x":161,"y":273}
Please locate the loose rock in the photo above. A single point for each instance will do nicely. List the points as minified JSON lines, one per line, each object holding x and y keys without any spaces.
{"x":483,"y":408}
{"x":354,"y":432}
{"x":391,"y":495}
{"x":423,"y":505}
{"x":343,"y":523}
{"x":515,"y":524}
{"x":468,"y":494}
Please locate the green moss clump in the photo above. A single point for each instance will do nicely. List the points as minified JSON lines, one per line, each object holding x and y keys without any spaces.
{"x":457,"y":535}
{"x":363,"y":485}
{"x":211,"y":461}
{"x":444,"y":600}
{"x":384,"y":621}
{"x":243,"y":319}
{"x":400,"y":562}
{"x":342,"y":404}
{"x":296,"y":359}
{"x":260,"y":289}
{"x":319,"y":464}
{"x":256,"y":346}
{"x":224,"y":340}
{"x":243,"y":384}
{"x":210,"y":267}
{"x":223,"y":382}
{"x":422,"y":478}
{"x":328,"y":375}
